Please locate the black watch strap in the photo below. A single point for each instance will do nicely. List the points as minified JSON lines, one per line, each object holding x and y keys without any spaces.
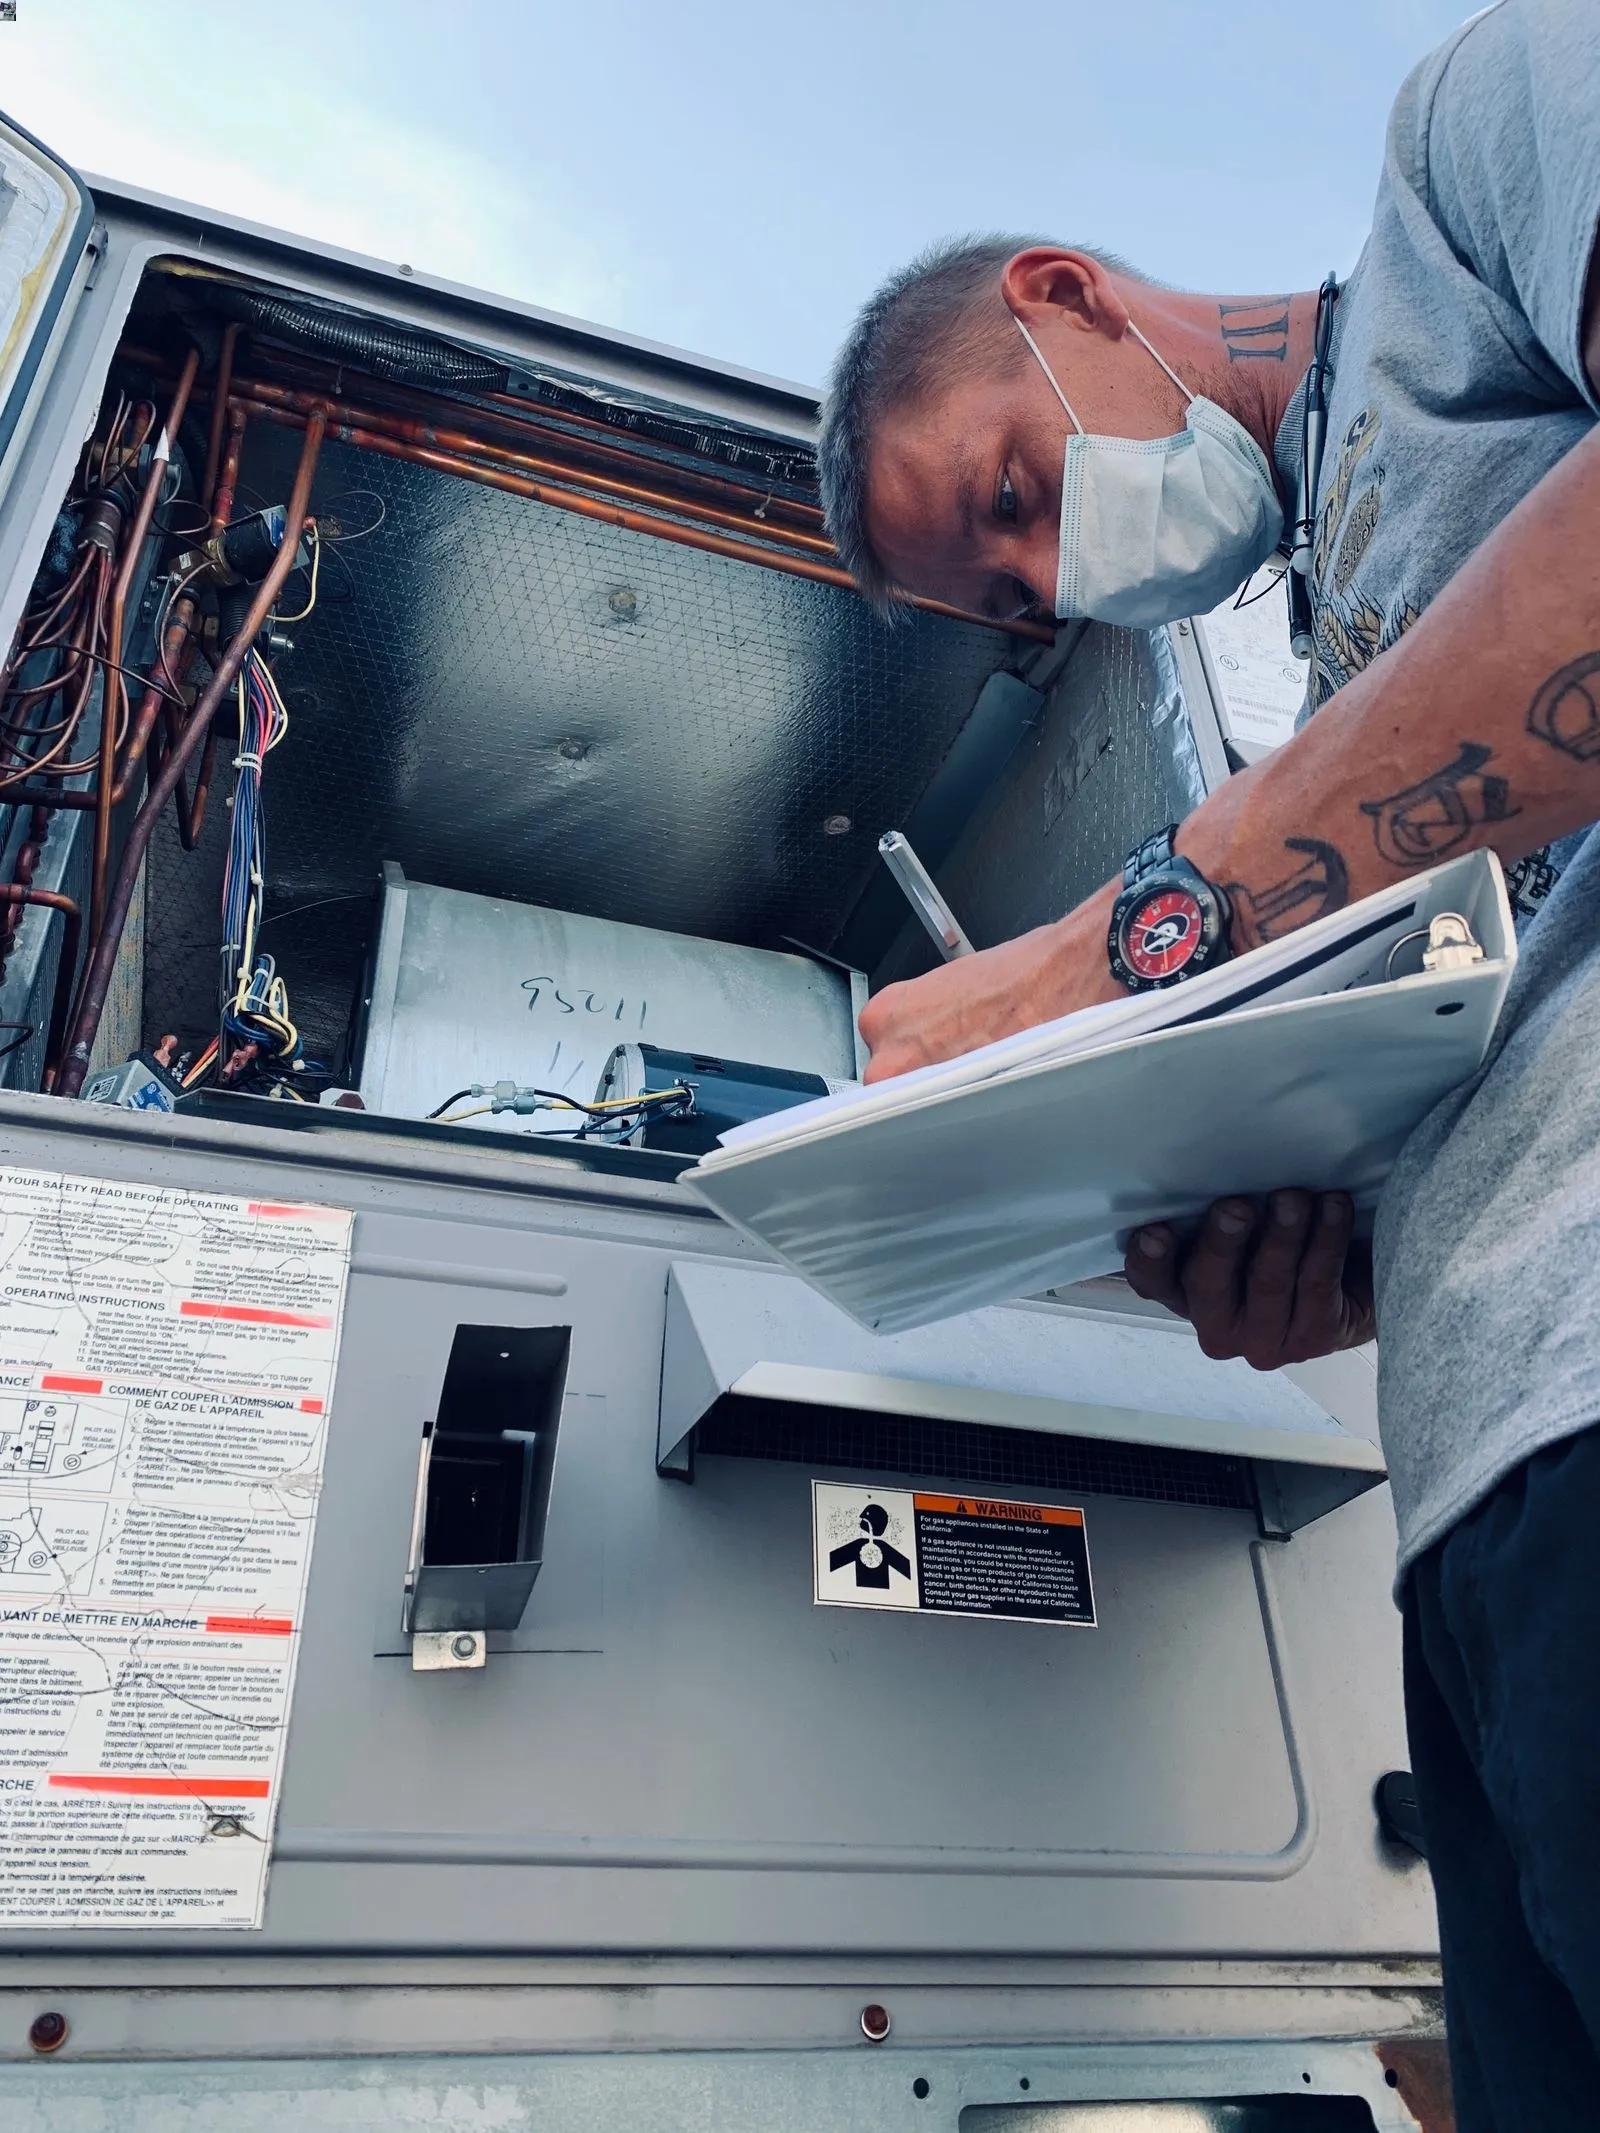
{"x":1156,"y":851}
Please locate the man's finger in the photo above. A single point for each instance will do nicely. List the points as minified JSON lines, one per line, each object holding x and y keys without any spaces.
{"x":1319,"y":1297}
{"x":1151,"y":1268}
{"x":1213,"y":1275}
{"x":1272,"y":1281}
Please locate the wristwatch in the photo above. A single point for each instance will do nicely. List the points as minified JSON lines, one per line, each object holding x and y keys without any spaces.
{"x":1169,"y":922}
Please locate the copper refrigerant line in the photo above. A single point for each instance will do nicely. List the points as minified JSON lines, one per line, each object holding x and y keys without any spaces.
{"x":81,"y":629}
{"x":640,"y":494}
{"x":166,"y":781}
{"x":763,"y":510}
{"x":357,"y":424}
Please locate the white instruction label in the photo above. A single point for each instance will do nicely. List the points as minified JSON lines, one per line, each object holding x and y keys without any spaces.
{"x":166,"y":1363}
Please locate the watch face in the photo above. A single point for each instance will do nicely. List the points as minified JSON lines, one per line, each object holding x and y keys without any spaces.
{"x":1162,"y":934}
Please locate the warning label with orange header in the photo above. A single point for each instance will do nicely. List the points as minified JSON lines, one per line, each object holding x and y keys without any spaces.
{"x":950,"y":1555}
{"x":166,"y":1368}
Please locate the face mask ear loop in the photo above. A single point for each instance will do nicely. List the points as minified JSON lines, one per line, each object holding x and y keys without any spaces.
{"x":1188,"y":396}
{"x":1050,"y":374}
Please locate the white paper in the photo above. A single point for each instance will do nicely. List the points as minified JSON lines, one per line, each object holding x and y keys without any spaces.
{"x":926,"y":1197}
{"x":166,"y":1364}
{"x":1347,"y":949}
{"x":1263,"y":684}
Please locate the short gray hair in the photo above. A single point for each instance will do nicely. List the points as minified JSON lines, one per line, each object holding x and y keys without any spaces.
{"x":932,"y":322}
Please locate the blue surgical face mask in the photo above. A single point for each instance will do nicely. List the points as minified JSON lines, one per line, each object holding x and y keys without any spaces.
{"x":1155,"y":529}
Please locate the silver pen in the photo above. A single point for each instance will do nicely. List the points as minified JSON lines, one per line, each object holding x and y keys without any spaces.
{"x":923,"y":897}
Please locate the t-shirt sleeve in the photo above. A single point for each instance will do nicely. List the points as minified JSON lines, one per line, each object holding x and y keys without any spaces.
{"x":1513,"y":164}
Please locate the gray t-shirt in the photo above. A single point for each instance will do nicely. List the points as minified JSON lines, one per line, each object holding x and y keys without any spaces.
{"x":1459,"y":383}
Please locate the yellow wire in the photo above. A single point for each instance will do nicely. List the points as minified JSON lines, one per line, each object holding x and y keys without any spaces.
{"x":316,"y":566}
{"x":632,"y":1103}
{"x":565,"y":1103}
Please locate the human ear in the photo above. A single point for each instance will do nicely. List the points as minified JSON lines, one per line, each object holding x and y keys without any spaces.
{"x":1068,"y":288}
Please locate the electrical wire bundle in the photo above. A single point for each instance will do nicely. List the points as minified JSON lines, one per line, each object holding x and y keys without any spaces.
{"x":67,"y":626}
{"x":254,"y":1000}
{"x":613,"y":1118}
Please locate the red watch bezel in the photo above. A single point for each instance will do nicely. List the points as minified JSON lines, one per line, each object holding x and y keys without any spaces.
{"x":1174,"y":890}
{"x":1167,"y":903}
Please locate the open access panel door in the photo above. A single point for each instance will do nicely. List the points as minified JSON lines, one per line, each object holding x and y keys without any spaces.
{"x":46,"y":214}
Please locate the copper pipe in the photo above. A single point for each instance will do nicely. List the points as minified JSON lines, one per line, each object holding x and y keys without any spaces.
{"x":539,"y":420}
{"x":462,"y":442}
{"x":528,"y":413}
{"x":148,"y":499}
{"x":103,"y":955}
{"x":228,"y":479}
{"x":83,"y":640}
{"x":174,"y":643}
{"x":795,"y":566}
{"x":29,"y":853}
{"x":60,"y":601}
{"x":219,"y":414}
{"x":114,"y":690}
{"x":66,"y":966}
{"x":191,"y":811}
{"x":394,"y":402}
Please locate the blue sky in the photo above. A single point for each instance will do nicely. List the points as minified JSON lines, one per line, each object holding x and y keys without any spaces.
{"x":735,"y":175}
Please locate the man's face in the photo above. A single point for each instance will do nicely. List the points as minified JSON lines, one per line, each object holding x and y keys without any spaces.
{"x":964,"y":490}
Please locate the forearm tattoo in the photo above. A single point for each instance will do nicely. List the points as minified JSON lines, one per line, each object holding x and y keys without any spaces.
{"x":1320,"y":884}
{"x":1433,"y":818}
{"x":1565,"y":712}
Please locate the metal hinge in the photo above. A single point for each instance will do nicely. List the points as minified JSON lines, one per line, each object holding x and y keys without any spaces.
{"x":95,"y":250}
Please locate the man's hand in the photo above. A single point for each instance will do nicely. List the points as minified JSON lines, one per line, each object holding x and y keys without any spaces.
{"x":978,"y":998}
{"x":1276,"y":1285}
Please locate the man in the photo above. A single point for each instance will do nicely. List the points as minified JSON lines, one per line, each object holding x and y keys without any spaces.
{"x":1014,"y":424}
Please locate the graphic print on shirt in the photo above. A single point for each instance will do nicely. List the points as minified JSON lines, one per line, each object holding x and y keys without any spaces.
{"x":1350,"y":629}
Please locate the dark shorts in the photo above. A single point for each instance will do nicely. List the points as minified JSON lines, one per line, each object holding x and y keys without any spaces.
{"x":1502,"y":1661}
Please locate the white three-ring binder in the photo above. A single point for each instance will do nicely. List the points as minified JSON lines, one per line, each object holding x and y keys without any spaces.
{"x":1026,"y":1164}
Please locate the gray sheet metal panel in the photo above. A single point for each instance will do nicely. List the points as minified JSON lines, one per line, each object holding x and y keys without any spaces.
{"x":276,"y":2007}
{"x":904,"y":2087}
{"x":698,"y":1759}
{"x":1067,"y":1370}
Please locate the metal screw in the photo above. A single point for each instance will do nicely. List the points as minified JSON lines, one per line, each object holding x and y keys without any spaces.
{"x":836,"y":825}
{"x":1183,"y":629}
{"x":405,"y":270}
{"x":624,"y":601}
{"x":875,"y":2023}
{"x":463,"y":1647}
{"x":47,"y":2032}
{"x":572,"y":751}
